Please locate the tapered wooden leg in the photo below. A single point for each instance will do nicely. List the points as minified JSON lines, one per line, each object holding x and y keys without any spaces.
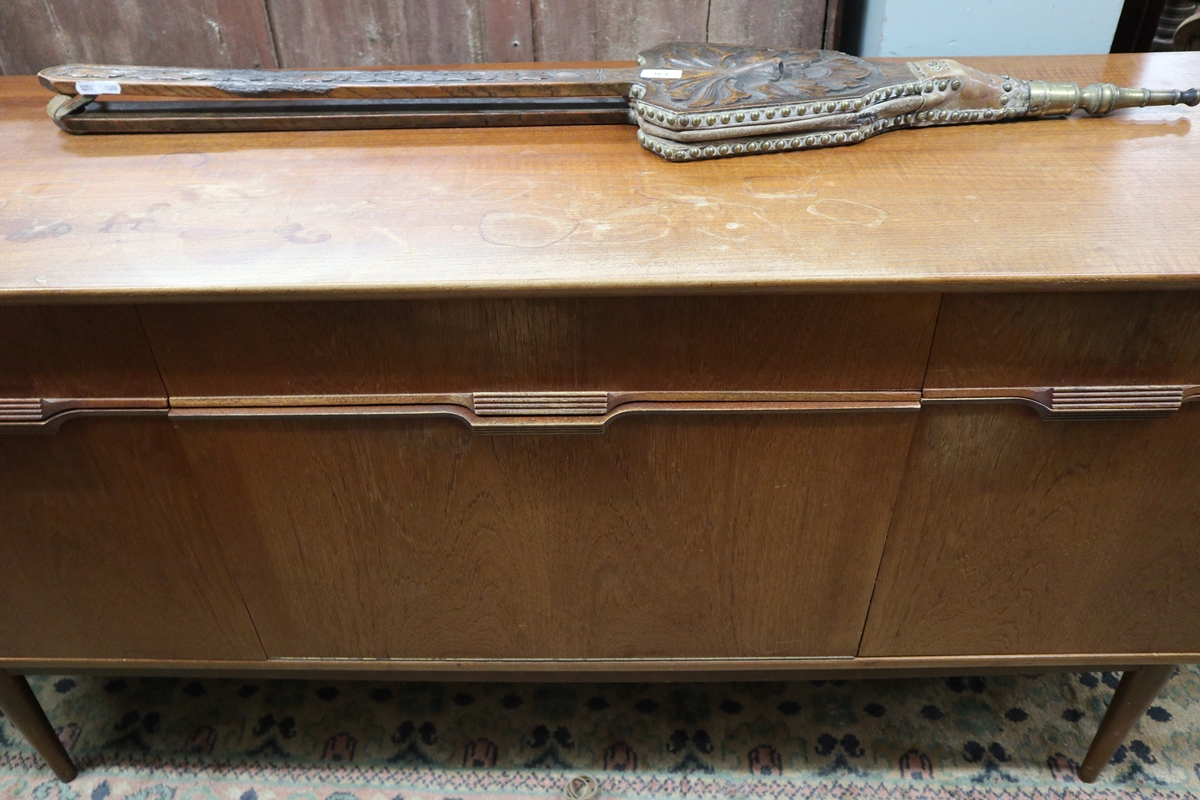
{"x":19,"y":704}
{"x":1133,"y":696}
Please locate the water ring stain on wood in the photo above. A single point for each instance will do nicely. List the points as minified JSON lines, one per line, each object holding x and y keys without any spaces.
{"x":524,"y":230}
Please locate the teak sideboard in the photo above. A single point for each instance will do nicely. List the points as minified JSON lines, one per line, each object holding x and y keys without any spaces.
{"x":536,"y":402}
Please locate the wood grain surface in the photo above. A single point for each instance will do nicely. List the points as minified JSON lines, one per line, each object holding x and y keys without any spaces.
{"x":331,"y":33}
{"x":772,"y":343}
{"x":765,"y":23}
{"x":1066,"y":204}
{"x":612,"y":29}
{"x":387,"y":84}
{"x":77,"y":353}
{"x":706,"y":536}
{"x":1084,"y":339}
{"x":1016,"y":536}
{"x":108,"y":551}
{"x":346,"y":33}
{"x":35,"y":34}
{"x":601,"y":670}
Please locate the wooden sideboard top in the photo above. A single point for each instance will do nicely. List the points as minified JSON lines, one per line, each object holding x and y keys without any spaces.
{"x":1080,"y":203}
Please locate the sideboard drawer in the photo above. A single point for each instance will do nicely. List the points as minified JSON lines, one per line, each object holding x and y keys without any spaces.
{"x":1065,"y":339}
{"x":332,"y":350}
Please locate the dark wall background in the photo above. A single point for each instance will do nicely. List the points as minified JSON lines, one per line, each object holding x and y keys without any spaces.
{"x":342,"y":33}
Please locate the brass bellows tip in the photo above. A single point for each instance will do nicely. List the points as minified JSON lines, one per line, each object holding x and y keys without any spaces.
{"x":1047,"y":99}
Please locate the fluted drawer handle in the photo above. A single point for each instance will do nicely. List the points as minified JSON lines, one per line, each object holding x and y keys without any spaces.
{"x":1078,"y":402}
{"x":541,"y":412}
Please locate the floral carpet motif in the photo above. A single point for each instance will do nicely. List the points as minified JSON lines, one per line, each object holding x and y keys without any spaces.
{"x":999,"y":738}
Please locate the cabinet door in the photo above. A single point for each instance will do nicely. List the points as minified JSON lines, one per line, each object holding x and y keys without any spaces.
{"x":669,"y":536}
{"x":107,"y":551}
{"x":1017,"y":536}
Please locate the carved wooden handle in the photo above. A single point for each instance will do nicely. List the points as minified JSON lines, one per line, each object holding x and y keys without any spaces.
{"x":351,"y":84}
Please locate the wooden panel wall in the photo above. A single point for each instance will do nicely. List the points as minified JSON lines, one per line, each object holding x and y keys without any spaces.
{"x":340,"y":33}
{"x":773,"y":24}
{"x":205,"y":33}
{"x":345,"y":33}
{"x":608,"y":30}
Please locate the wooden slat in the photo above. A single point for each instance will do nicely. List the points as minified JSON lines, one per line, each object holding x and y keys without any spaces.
{"x":768,"y":23}
{"x":835,"y":13}
{"x":675,"y":669}
{"x":613,"y":29}
{"x":201,"y":33}
{"x":348,"y":33}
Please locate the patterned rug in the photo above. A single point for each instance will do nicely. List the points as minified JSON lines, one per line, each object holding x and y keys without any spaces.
{"x":998,"y":738}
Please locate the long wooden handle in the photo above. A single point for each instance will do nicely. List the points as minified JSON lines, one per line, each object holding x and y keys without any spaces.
{"x":94,"y":80}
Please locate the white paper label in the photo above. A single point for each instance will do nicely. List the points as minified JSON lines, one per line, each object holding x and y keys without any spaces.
{"x":669,"y":74}
{"x":97,"y":87}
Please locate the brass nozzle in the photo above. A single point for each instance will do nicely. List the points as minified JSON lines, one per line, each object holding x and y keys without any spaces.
{"x":1048,"y":99}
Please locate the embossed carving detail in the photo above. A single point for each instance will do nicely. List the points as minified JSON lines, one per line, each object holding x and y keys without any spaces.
{"x":733,"y":101}
{"x":542,"y":404}
{"x":723,"y":75}
{"x":331,"y":83}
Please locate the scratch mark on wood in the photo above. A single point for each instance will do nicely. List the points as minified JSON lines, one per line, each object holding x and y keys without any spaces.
{"x":404,"y":245}
{"x":51,"y":190}
{"x":779,"y":187}
{"x":849,"y":211}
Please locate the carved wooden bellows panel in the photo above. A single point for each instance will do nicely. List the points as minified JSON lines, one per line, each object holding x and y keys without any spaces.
{"x":704,"y":101}
{"x":689,"y":101}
